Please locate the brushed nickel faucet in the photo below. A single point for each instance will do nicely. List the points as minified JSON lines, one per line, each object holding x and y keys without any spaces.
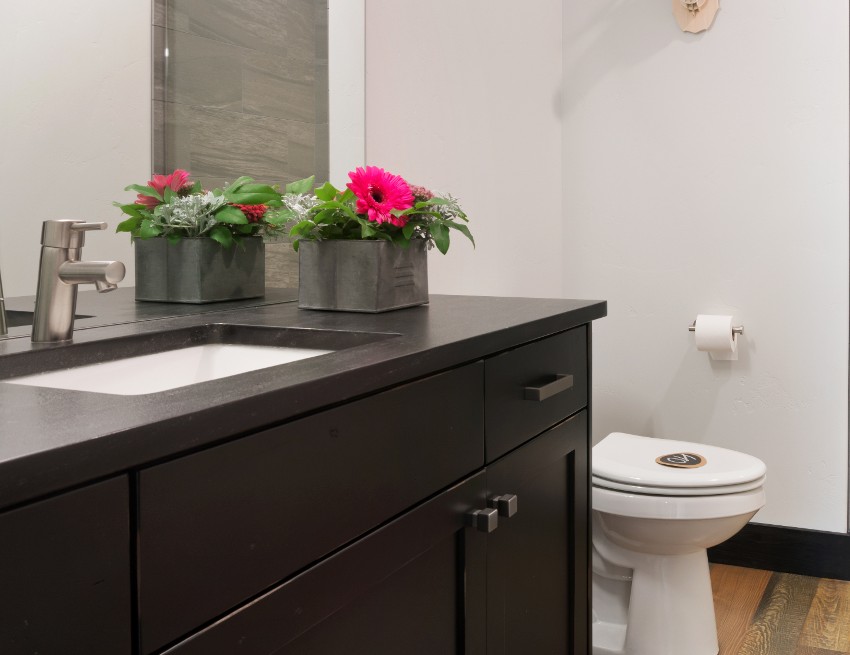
{"x":59,"y":273}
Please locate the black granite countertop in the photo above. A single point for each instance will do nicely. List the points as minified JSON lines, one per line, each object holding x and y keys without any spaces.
{"x":52,"y":439}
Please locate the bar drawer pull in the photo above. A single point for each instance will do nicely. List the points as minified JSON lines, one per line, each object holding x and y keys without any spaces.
{"x":559,"y":384}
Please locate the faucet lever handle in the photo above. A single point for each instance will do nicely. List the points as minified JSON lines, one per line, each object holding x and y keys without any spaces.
{"x":81,"y":227}
{"x":66,"y":233}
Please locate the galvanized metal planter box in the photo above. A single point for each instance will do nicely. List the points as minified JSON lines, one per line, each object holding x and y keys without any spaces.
{"x":362,"y":276}
{"x":199,"y":270}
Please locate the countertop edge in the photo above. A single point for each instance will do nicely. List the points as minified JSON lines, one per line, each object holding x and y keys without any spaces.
{"x":44,"y":473}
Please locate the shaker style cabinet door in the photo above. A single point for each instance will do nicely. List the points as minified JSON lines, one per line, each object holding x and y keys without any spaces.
{"x":65,"y":574}
{"x":414,"y":586}
{"x":537,"y":572}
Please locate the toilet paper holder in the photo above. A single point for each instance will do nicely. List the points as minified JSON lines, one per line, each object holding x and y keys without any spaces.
{"x":736,"y":329}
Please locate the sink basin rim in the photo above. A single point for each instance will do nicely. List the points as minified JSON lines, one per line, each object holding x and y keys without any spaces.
{"x":54,"y":357}
{"x":166,"y":370}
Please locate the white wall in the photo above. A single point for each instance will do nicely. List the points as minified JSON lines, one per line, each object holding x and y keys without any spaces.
{"x":700,"y":173}
{"x":461,"y":97}
{"x":74,"y":124}
{"x":708,"y":174}
{"x":346,"y":86}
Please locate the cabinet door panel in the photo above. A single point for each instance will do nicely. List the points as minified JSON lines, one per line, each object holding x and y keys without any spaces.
{"x":415,"y":586}
{"x":65,"y":574}
{"x":537,"y":559}
{"x":226,"y":524}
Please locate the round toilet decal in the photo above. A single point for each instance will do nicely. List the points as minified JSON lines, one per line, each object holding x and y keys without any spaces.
{"x":682,"y":460}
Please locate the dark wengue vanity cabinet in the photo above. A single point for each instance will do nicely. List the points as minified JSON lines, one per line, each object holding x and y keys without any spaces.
{"x":446,"y":515}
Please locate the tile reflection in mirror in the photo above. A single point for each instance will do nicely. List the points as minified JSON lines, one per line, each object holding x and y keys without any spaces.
{"x":243,"y":90}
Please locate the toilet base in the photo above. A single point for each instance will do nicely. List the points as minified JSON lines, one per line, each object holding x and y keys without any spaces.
{"x":670,"y":607}
{"x":608,"y":638}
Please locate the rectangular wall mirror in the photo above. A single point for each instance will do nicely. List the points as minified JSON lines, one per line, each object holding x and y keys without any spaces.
{"x":100,"y":94}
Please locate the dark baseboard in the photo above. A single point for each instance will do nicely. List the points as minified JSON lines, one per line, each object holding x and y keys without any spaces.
{"x":789,"y":550}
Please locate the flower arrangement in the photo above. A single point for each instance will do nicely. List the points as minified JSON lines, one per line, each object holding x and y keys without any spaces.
{"x":175,"y":207}
{"x":375,"y":205}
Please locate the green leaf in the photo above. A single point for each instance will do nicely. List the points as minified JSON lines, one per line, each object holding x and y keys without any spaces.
{"x":130,"y":225}
{"x":367,"y":230}
{"x":230,"y":215}
{"x":197,"y":187}
{"x":295,"y":243}
{"x":326,"y":216}
{"x":301,"y":186}
{"x":258,"y":188}
{"x":302,"y":228}
{"x":144,"y":190}
{"x":401,"y":241}
{"x":245,"y":229}
{"x":250,"y":198}
{"x":342,"y":206}
{"x":148,"y":230}
{"x":238,"y":183}
{"x":169,"y":194}
{"x":222,"y":235}
{"x":347,"y":196}
{"x":327,"y":191}
{"x":173,"y":238}
{"x":462,"y":229}
{"x":438,"y":201}
{"x":408,"y":230}
{"x":440,"y":234}
{"x":279,"y":217}
{"x":136,"y":211}
{"x":426,"y":214}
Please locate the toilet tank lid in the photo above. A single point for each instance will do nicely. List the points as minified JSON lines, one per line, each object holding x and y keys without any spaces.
{"x":632,"y":459}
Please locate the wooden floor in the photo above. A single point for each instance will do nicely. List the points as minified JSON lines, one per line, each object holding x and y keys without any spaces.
{"x":766,"y":613}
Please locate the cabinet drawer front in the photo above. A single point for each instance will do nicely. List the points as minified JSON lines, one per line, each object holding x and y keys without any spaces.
{"x":221,"y":526}
{"x":533,"y":387}
{"x":405,"y":588}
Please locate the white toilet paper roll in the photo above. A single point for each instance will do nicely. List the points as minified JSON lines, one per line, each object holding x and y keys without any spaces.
{"x":714,"y":335}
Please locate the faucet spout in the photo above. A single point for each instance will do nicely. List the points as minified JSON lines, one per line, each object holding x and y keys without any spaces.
{"x":104,"y":275}
{"x":60,"y":272}
{"x":104,"y":287}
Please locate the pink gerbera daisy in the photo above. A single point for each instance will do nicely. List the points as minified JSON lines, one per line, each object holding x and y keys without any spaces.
{"x":177,"y":181}
{"x":378,"y":193}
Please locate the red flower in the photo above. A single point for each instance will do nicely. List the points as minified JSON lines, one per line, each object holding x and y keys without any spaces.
{"x":177,"y":181}
{"x":254,"y":213}
{"x":420,"y":193}
{"x":378,"y":193}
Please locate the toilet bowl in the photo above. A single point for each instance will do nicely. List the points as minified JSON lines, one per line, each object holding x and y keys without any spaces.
{"x":652,"y":523}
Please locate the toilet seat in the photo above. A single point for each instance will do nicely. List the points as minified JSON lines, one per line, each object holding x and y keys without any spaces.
{"x":677,"y":491}
{"x":627,"y":462}
{"x":644,"y":506}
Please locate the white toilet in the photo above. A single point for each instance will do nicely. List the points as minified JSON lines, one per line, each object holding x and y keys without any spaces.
{"x":657,"y":505}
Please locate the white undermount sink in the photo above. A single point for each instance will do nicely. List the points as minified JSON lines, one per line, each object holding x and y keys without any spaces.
{"x":142,"y":374}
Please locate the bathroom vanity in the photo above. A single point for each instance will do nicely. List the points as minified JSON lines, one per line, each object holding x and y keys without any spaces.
{"x":421,"y":489}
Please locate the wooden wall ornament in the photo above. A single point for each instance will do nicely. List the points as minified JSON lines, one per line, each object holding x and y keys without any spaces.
{"x":695,"y":15}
